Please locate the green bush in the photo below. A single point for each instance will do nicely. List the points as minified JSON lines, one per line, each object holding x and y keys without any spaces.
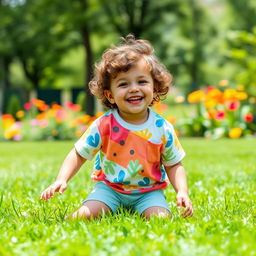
{"x":81,"y":99}
{"x":14,"y":105}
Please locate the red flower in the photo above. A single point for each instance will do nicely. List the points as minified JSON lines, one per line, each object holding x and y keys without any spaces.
{"x":209,"y":88}
{"x":248,"y":117}
{"x":233,"y":105}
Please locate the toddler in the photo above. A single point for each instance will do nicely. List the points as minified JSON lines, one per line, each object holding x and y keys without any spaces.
{"x":137,"y":151}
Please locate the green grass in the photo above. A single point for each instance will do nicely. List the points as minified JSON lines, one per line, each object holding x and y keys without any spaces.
{"x":221,"y":176}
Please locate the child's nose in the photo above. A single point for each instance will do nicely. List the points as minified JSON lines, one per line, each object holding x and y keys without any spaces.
{"x":134,"y":87}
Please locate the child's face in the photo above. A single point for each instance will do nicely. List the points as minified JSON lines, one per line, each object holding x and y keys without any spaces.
{"x":132,"y":92}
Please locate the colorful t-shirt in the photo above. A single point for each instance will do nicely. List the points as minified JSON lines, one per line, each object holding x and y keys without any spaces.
{"x":130,"y":158}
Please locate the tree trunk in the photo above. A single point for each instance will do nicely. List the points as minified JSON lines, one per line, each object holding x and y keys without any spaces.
{"x":196,"y":49}
{"x":6,"y":72}
{"x":90,"y":100}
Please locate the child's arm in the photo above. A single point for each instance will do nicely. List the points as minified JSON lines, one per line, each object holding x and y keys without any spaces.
{"x":177,"y":177}
{"x":69,"y":168}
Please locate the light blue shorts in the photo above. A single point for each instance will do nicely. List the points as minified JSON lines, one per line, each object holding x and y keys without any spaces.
{"x":136,"y":202}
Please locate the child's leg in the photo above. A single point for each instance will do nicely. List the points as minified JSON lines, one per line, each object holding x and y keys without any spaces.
{"x":155,"y":211}
{"x":90,"y":209}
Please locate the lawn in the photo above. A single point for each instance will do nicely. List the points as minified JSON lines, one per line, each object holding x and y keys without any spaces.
{"x":221,"y":177}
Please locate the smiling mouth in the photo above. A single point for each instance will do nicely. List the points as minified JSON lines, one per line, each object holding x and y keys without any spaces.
{"x":135,"y":100}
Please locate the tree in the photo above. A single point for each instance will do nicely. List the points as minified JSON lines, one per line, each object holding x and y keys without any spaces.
{"x":37,"y":39}
{"x":6,"y":46}
{"x":244,"y":13}
{"x":159,"y":22}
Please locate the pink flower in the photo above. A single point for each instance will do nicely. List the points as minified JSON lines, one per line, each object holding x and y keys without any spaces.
{"x":27,"y":106}
{"x":72,"y":106}
{"x":34,"y":122}
{"x":43,"y":123}
{"x":17,"y":137}
{"x":220,"y":115}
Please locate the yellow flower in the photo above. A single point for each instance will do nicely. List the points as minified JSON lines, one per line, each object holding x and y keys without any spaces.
{"x":229,"y":94}
{"x":10,"y":132}
{"x":233,"y":95}
{"x":55,"y":132}
{"x":98,"y":114}
{"x":172,"y":237}
{"x":235,"y":133}
{"x":196,"y":96}
{"x":20,"y":114}
{"x":240,"y":87}
{"x":210,"y":103}
{"x":241,"y":95}
{"x":213,"y":97}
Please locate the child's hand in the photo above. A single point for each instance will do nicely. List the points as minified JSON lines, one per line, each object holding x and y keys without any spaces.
{"x":184,"y":201}
{"x":58,"y":186}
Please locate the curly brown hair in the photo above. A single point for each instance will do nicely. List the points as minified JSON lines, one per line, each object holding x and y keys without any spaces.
{"x":120,"y":59}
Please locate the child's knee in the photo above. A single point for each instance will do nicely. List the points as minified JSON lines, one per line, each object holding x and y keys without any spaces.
{"x":155,"y":211}
{"x":90,"y":210}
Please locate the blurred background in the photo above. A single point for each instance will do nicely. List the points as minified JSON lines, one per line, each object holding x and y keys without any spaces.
{"x":48,"y":47}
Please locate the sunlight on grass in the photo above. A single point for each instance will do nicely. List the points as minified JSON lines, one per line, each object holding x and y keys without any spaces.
{"x":221,"y":176}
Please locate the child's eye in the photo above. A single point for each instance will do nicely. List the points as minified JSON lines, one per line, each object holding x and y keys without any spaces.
{"x":142,"y":81}
{"x":122,"y":84}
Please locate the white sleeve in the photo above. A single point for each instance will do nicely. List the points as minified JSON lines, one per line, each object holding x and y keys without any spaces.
{"x":173,"y":151}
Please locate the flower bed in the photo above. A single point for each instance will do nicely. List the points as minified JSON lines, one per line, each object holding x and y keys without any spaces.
{"x":220,"y":113}
{"x":39,"y":121}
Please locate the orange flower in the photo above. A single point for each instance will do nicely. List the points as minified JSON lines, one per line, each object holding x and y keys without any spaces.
{"x":43,"y":107}
{"x":171,"y":119}
{"x":41,"y":116}
{"x":235,"y":133}
{"x":196,"y":96}
{"x":211,"y":113}
{"x":223,"y":83}
{"x":56,"y":106}
{"x":38,"y":103}
{"x":83,"y":119}
{"x":160,"y":107}
{"x":8,"y":120}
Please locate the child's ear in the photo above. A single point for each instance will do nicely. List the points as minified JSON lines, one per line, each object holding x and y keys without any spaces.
{"x":108,"y":95}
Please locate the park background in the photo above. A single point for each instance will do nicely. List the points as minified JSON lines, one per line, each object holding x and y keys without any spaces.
{"x":47,"y":53}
